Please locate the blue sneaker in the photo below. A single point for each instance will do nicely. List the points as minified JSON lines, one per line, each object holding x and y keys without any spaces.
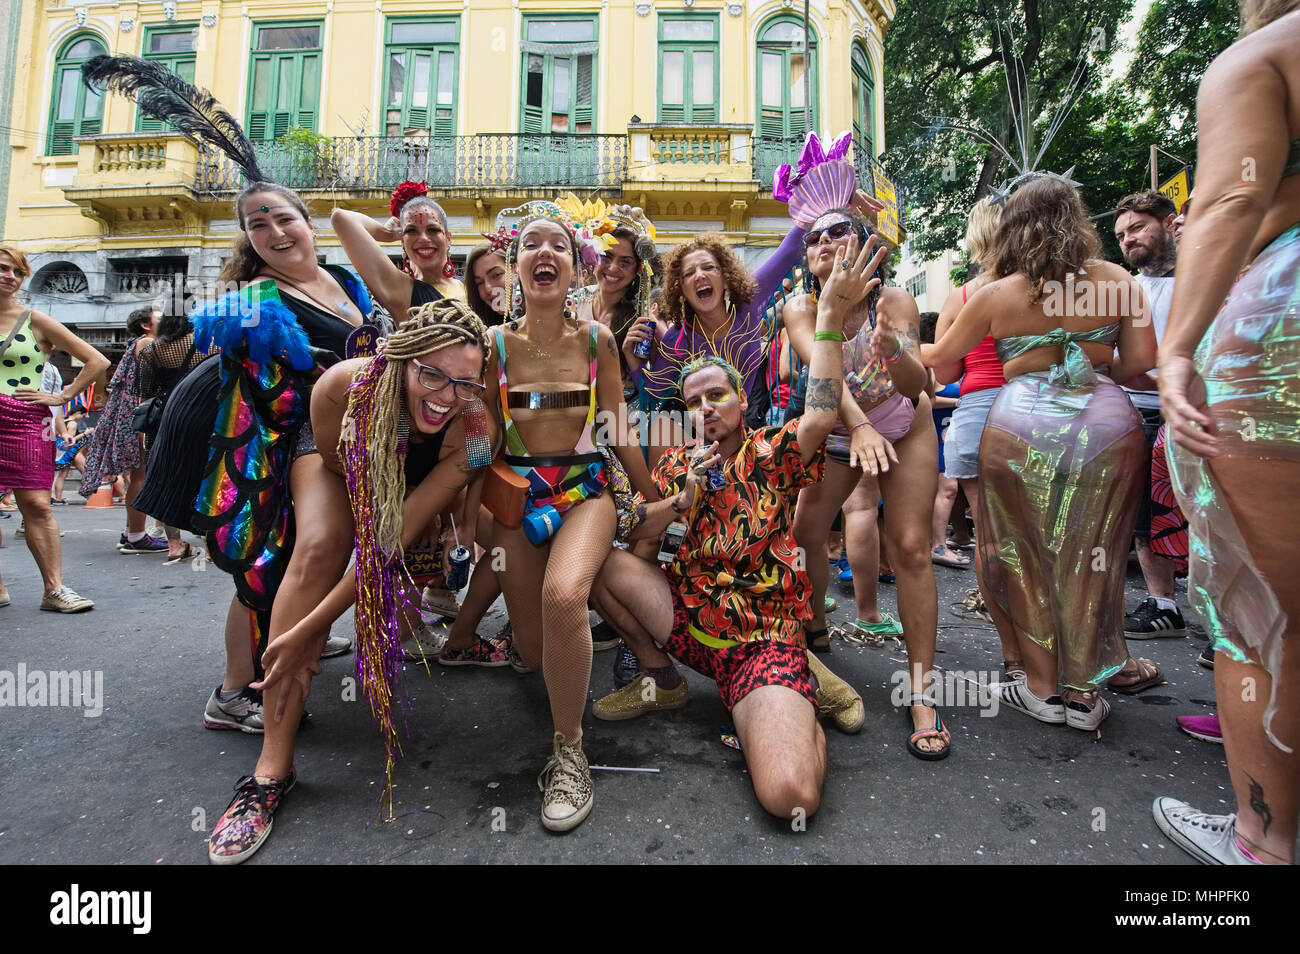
{"x":626,"y":667}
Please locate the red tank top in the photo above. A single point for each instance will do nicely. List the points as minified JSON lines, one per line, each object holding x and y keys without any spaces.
{"x":981,"y":368}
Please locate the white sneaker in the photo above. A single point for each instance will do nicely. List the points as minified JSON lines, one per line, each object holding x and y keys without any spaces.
{"x":1210,"y":839}
{"x":1016,"y":695}
{"x":1079,"y":716}
{"x":65,"y":600}
{"x":335,"y":646}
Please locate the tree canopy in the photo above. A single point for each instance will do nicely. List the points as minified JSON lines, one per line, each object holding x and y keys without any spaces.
{"x":944,"y":65}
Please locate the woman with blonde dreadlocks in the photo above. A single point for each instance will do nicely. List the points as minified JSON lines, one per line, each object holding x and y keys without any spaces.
{"x":401,"y":435}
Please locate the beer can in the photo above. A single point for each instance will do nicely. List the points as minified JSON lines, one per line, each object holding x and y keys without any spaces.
{"x":458,"y":575}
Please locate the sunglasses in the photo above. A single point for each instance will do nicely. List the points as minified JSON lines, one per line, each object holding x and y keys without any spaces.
{"x":435,"y":379}
{"x":834,"y":232}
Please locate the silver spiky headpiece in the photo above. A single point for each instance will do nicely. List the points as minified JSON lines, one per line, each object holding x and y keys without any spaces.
{"x":1026,"y":167}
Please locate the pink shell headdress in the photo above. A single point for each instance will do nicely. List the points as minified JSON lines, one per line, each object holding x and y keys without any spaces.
{"x":824,"y":180}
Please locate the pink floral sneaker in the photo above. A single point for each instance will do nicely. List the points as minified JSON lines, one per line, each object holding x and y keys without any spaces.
{"x":1203,"y":727}
{"x":489,"y":653}
{"x":247,"y":820}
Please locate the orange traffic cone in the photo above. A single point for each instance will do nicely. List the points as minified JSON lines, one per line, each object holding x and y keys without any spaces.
{"x":101,"y":499}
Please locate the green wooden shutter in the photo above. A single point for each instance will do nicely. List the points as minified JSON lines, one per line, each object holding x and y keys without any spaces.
{"x":584,"y":81}
{"x":536,"y":91}
{"x":75,"y":110}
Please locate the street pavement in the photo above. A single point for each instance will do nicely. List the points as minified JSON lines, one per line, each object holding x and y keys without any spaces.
{"x":143,"y":782}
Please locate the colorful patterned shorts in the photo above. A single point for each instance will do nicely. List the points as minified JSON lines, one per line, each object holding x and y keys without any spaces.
{"x":739,"y":670}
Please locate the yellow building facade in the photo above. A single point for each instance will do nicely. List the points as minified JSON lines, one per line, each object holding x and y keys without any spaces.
{"x":684,"y":108}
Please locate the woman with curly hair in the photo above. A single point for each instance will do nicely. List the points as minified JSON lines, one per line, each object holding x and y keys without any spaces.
{"x":401,"y":435}
{"x":713,"y":305}
{"x":1063,"y":452}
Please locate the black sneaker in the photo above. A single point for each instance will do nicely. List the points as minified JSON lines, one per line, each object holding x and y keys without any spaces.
{"x":604,"y":636}
{"x":1206,"y":658}
{"x":146,"y":544}
{"x":626,"y":667}
{"x":1149,"y":621}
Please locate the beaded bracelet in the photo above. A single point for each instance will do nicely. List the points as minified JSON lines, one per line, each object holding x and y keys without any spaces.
{"x":828,"y":336}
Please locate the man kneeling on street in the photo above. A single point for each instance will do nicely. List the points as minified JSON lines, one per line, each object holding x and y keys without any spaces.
{"x":735,"y":593}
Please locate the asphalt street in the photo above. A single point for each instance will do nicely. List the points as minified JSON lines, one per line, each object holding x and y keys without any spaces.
{"x":143,"y":782}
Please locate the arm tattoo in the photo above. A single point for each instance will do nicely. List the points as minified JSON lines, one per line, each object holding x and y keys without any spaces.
{"x":613,"y":349}
{"x":640,"y":514}
{"x":823,"y":394}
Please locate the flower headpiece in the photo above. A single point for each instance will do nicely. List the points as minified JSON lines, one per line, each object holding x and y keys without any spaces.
{"x":404,"y":193}
{"x":598,"y":221}
{"x":825,"y":180}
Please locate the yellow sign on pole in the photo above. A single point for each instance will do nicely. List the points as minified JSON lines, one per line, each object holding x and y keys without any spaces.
{"x":886,"y":218}
{"x":1177,"y":189}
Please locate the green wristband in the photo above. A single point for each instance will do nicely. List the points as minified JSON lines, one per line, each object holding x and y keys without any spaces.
{"x":828,"y":336}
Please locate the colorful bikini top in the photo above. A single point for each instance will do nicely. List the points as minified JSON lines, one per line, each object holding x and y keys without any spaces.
{"x":1075,"y":370}
{"x":546,"y":400}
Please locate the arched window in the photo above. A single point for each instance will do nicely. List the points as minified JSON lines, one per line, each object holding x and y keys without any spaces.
{"x":864,"y":103}
{"x":783,"y":57}
{"x":75,"y":110}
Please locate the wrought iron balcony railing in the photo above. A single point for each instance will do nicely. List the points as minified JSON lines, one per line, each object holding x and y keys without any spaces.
{"x":488,"y":162}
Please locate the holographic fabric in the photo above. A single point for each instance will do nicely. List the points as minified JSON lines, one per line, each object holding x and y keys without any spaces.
{"x":1250,"y":362}
{"x":1061,"y":464}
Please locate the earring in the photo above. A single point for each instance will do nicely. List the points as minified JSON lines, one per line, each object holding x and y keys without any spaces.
{"x":569,"y":313}
{"x":726,"y":300}
{"x":449,"y":270}
{"x":403,"y":432}
{"x":406,"y":266}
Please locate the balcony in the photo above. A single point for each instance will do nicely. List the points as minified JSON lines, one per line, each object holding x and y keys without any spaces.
{"x":492,"y":162}
{"x":137,"y":179}
{"x":664,"y":155}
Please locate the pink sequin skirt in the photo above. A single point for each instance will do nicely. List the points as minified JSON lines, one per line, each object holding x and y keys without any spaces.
{"x":26,"y":445}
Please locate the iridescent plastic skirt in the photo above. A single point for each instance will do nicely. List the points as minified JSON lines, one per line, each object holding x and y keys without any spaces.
{"x":1250,"y":361}
{"x":1060,"y":476}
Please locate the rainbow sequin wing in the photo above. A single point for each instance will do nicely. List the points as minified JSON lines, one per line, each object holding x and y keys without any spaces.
{"x":243,"y":502}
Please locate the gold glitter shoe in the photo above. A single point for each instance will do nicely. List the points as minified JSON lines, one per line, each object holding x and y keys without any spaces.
{"x":638,"y":697}
{"x":836,"y":699}
{"x":565,"y":784}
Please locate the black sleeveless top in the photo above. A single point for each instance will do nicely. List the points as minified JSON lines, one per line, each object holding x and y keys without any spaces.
{"x":324,"y":329}
{"x":421,"y":458}
{"x":422,"y":293}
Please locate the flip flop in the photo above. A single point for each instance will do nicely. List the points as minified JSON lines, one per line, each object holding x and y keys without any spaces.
{"x":1149,"y":675}
{"x":184,"y":555}
{"x":942,"y":559}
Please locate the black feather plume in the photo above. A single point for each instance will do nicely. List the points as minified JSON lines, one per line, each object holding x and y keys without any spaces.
{"x":161,"y":94}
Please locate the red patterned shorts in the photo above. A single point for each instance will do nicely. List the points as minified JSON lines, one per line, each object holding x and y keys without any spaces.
{"x":739,"y":670}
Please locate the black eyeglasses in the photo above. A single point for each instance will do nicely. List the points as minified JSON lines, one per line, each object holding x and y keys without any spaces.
{"x":833,"y":232}
{"x":435,"y":379}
